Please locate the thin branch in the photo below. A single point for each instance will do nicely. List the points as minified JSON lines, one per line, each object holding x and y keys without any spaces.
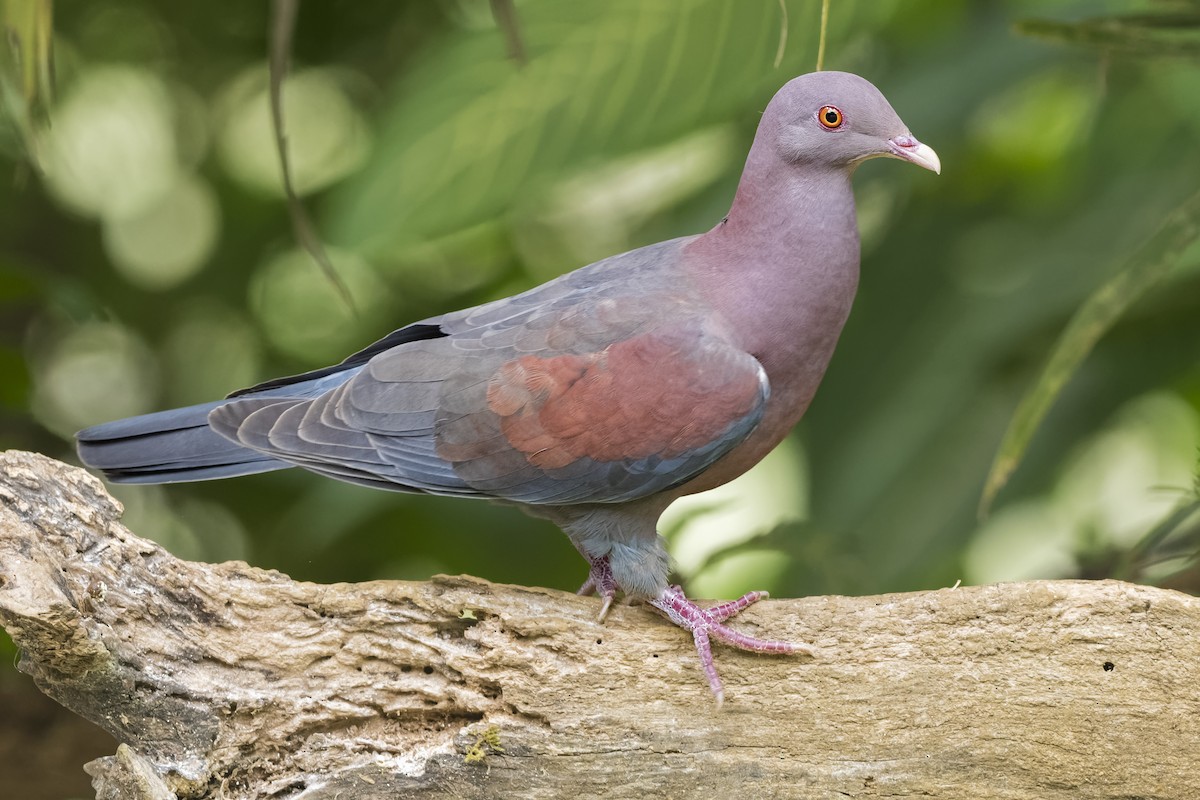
{"x":283,"y":26}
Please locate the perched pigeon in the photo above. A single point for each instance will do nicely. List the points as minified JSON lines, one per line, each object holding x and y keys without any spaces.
{"x":598,"y":398}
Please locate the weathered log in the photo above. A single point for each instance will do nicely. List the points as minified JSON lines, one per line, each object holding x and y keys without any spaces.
{"x":222,"y":680}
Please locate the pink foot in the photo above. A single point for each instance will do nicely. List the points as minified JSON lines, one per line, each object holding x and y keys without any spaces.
{"x":706,"y":622}
{"x":600,"y":580}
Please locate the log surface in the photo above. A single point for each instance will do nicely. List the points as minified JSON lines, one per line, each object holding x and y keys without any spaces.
{"x":227,"y":681}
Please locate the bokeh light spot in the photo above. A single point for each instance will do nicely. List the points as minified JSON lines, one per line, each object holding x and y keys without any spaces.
{"x":1034,"y":124}
{"x":1119,"y":483}
{"x":110,"y":151}
{"x":326,"y":136}
{"x":1130,"y":475}
{"x":95,"y":373}
{"x":1024,"y":541}
{"x":774,"y":492}
{"x":302,"y":314}
{"x":593,"y":213}
{"x":738,"y":573}
{"x":168,"y":242}
{"x":211,"y":351}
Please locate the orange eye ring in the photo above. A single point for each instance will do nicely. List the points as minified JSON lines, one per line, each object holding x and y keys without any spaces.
{"x":831,"y":117}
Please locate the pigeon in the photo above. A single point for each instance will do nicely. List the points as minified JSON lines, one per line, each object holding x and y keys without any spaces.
{"x":599,"y":397}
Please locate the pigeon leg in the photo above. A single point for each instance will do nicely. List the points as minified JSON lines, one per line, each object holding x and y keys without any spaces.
{"x":600,"y":580}
{"x":705,"y":624}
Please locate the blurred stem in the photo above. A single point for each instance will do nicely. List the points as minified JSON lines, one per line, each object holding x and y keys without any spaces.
{"x":821,"y":41}
{"x":783,"y":34}
{"x":283,"y":26}
{"x":505,"y":14}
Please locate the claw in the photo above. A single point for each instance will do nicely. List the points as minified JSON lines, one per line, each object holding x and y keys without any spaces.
{"x":705,"y":623}
{"x":605,"y":606}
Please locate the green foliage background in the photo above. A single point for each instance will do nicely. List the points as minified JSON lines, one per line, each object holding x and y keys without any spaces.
{"x":442,"y":174}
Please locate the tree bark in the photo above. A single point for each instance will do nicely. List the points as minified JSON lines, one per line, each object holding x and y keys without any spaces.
{"x":226,"y":681}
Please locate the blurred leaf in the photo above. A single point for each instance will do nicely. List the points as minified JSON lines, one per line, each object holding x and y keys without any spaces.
{"x":1150,"y":264}
{"x":1165,"y":34}
{"x":26,"y":74}
{"x":468,"y":134}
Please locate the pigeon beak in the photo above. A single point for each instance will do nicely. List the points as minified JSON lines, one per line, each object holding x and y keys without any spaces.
{"x":907,"y":147}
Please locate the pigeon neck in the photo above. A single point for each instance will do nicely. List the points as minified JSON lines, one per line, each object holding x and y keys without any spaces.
{"x":791,"y":235}
{"x":788,"y":208}
{"x":782,"y":268}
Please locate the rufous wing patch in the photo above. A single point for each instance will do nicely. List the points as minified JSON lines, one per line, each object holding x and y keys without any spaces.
{"x":643,"y":397}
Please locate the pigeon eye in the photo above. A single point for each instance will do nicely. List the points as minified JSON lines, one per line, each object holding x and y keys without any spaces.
{"x":830,"y":117}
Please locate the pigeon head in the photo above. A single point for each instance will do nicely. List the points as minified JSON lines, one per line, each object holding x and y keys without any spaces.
{"x":839,"y":119}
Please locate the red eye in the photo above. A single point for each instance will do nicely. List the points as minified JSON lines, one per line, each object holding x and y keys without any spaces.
{"x":830,"y":117}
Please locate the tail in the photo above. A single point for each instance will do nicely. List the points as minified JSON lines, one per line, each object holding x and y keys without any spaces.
{"x":179,"y":445}
{"x":168,"y":447}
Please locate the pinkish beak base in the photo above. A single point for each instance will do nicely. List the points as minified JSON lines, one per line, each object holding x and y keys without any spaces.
{"x":907,"y":148}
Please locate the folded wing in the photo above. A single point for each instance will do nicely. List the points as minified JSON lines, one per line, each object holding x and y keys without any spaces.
{"x":575,"y":394}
